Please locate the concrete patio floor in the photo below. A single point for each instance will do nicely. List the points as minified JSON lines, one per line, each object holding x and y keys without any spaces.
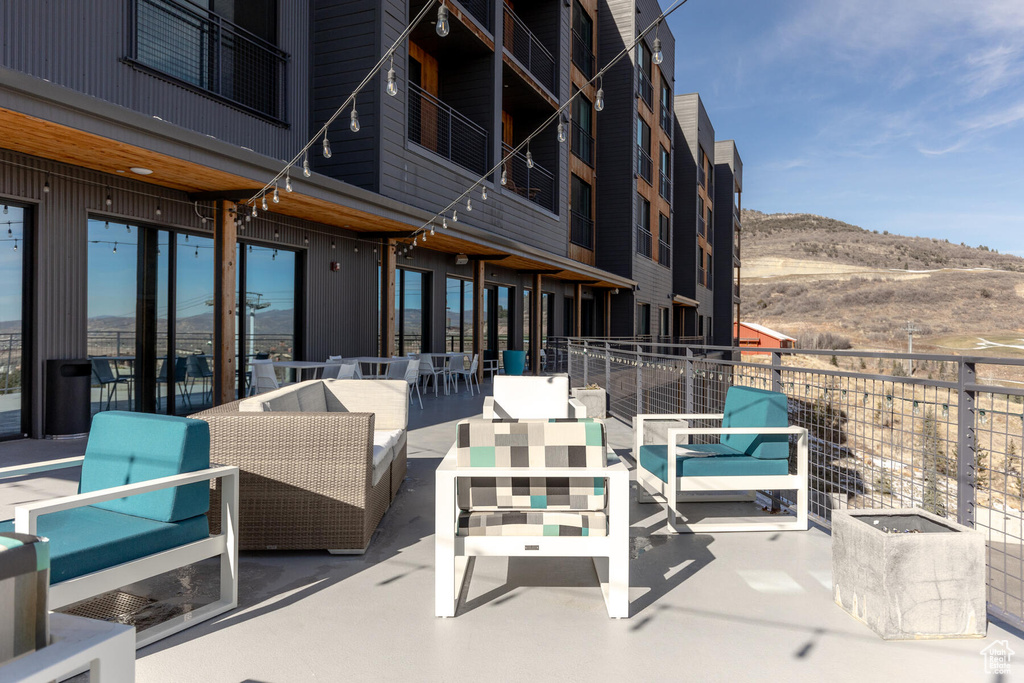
{"x":704,"y":608}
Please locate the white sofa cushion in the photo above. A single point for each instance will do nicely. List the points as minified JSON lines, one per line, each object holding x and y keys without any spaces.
{"x":385,"y":448}
{"x":528,"y":398}
{"x":305,"y":397}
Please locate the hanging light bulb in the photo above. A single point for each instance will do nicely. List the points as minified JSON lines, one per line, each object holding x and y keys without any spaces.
{"x":469,"y":204}
{"x":10,"y":233}
{"x":273,"y":257}
{"x":106,"y":225}
{"x":128,"y":229}
{"x":424,"y":236}
{"x":305,"y":239}
{"x":186,"y":238}
{"x":392,"y":79}
{"x":455,"y":216}
{"x":250,"y":248}
{"x":277,"y":233}
{"x":305,"y":165}
{"x":355,"y":250}
{"x":15,"y":245}
{"x":442,"y":21}
{"x":5,"y":209}
{"x":599,"y":98}
{"x":327,"y":146}
{"x":157,"y":212}
{"x":483,"y":193}
{"x":529,"y":158}
{"x":277,"y":196}
{"x":197,"y":252}
{"x":288,"y":182}
{"x":561,"y":132}
{"x":504,"y":176}
{"x":46,"y":185}
{"x":115,"y":247}
{"x":203,"y":220}
{"x":264,"y":202}
{"x":431,"y":228}
{"x":109,"y":200}
{"x":332,"y":244}
{"x":658,"y":57}
{"x":253,"y":210}
{"x":444,"y":223}
{"x":353,"y":124}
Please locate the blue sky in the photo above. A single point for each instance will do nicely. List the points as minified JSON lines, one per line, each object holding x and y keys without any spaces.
{"x":899,"y":115}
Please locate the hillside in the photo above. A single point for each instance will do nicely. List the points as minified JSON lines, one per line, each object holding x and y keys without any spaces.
{"x":805,"y":274}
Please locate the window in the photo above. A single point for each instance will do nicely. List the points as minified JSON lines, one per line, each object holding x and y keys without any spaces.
{"x":411,"y":298}
{"x":702,"y":161}
{"x":643,"y":145}
{"x":582,"y":232}
{"x":665,"y":170}
{"x":582,"y":41}
{"x":666,"y":106}
{"x":664,"y":241}
{"x":458,"y":315}
{"x":643,"y":70}
{"x":663,"y":326}
{"x":643,"y":227}
{"x":583,"y":129}
{"x":643,"y":320}
{"x":700,"y":216}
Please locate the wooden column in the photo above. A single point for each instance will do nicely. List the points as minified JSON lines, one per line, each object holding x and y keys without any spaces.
{"x":478,"y":317}
{"x":577,"y":324}
{"x":225,"y":312}
{"x":607,"y":313}
{"x":536,"y":326}
{"x":387,"y":298}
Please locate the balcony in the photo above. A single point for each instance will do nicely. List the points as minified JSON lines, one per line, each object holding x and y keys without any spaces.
{"x":536,"y":184}
{"x":665,"y":186}
{"x":701,"y":176}
{"x":664,"y":253}
{"x":702,"y":227}
{"x":702,"y":277}
{"x":645,"y":166}
{"x":582,"y":231}
{"x":666,"y":118}
{"x":481,"y":11}
{"x":437,"y":127}
{"x":582,"y":144}
{"x":200,"y":49}
{"x":644,"y":241}
{"x":528,"y":51}
{"x":646,"y":89}
{"x":583,"y":56}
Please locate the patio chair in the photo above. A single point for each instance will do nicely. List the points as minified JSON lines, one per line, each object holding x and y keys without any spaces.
{"x":180,"y":380}
{"x":104,"y":376}
{"x":555,"y":493}
{"x":351,"y":361}
{"x":532,"y":397}
{"x":412,"y":377}
{"x":428,"y":371}
{"x":197,"y":369}
{"x":468,"y":375}
{"x":751,"y":453}
{"x":141,"y":510}
{"x":262,"y":376}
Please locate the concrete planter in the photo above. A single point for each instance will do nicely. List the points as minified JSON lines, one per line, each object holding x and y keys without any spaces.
{"x":596,"y":401}
{"x":926,"y":584}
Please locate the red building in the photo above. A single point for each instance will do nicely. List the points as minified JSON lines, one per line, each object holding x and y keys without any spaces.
{"x":754,"y":335}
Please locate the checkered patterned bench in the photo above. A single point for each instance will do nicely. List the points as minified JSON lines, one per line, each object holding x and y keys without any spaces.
{"x":532,"y":487}
{"x":532,"y":506}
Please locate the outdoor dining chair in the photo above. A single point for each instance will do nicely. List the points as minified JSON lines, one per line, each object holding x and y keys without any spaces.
{"x":262,"y":377}
{"x":180,"y":380}
{"x":412,"y":376}
{"x":104,"y":376}
{"x":469,"y":375}
{"x":197,"y":369}
{"x":430,"y":371}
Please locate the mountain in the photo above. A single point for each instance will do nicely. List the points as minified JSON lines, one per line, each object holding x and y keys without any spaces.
{"x":805,"y":275}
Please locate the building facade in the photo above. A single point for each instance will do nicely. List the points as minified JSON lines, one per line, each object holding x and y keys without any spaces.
{"x":728,"y":230}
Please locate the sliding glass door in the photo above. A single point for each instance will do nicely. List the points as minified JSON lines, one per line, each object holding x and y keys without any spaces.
{"x":410,"y":311}
{"x":13,"y":309}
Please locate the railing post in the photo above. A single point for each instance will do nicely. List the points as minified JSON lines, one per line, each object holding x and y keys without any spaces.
{"x":688,"y":400}
{"x":607,"y":368}
{"x":586,"y":370}
{"x":966,"y":442}
{"x":777,"y":371}
{"x":639,"y":382}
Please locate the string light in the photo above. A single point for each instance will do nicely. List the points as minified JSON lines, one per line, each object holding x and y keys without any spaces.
{"x":392,"y":80}
{"x":483,"y":193}
{"x":455,"y":216}
{"x":305,"y":165}
{"x":109,"y":200}
{"x":599,"y":98}
{"x":353,"y":124}
{"x":264,"y":202}
{"x":158,"y":211}
{"x":46,"y":185}
{"x":327,"y":146}
{"x":253,"y":211}
{"x":305,"y":239}
{"x":658,"y":57}
{"x":442,"y":21}
{"x":5,"y":209}
{"x":504,"y":175}
{"x":332,"y":244}
{"x":561,"y":132}
{"x":277,"y":196}
{"x":15,"y":245}
{"x":288,"y":183}
{"x":115,"y":247}
{"x":529,"y":157}
{"x":128,"y":229}
{"x":469,"y":204}
{"x":444,"y":223}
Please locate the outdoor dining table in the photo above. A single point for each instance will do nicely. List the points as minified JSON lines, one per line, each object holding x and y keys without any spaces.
{"x":301,"y":366}
{"x":446,"y":365}
{"x":379,"y":362}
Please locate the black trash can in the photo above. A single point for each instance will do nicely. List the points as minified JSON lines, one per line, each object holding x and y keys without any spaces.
{"x":68,"y":382}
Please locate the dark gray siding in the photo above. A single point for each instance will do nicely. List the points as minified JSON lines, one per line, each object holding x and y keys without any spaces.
{"x":693,"y":130}
{"x":725,"y":161}
{"x":337,"y":323}
{"x":81,"y":45}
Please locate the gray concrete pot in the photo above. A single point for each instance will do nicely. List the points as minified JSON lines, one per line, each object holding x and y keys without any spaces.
{"x":928,"y":584}
{"x":596,"y":401}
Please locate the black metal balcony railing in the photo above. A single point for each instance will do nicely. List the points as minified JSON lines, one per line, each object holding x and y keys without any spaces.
{"x":444,"y":131}
{"x":481,"y":11}
{"x":701,"y":226}
{"x":582,"y":232}
{"x":583,"y":56}
{"x":199,"y":48}
{"x":536,"y":184}
{"x":665,"y":186}
{"x":666,"y":118}
{"x":645,"y":166}
{"x":701,"y":176}
{"x":645,"y":87}
{"x":664,"y":253}
{"x":524,"y":46}
{"x":582,"y":144}
{"x":702,"y":277}
{"x":644,"y":241}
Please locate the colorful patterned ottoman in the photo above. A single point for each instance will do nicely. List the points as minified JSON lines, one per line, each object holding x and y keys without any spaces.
{"x":24,"y":581}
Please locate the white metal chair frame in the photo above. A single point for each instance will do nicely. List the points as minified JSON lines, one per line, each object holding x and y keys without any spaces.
{"x":468,"y":375}
{"x":412,"y":377}
{"x":452,"y":553}
{"x":262,"y":377}
{"x":652,"y":489}
{"x":430,"y":371}
{"x":224,"y":545}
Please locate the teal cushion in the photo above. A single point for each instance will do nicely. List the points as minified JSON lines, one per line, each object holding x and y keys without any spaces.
{"x":749,"y":407}
{"x":722,"y":462}
{"x":126,"y":448}
{"x":85,"y":540}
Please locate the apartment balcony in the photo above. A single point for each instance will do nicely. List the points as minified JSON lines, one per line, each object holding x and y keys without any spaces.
{"x":644,"y":241}
{"x":530,"y":52}
{"x":702,"y":228}
{"x":701,"y":176}
{"x":702,"y":276}
{"x":665,"y":186}
{"x":645,"y":166}
{"x":645,"y":88}
{"x":439,"y":128}
{"x":583,"y":56}
{"x":582,"y":231}
{"x":536,"y":184}
{"x":666,"y":118}
{"x":481,"y":11}
{"x":199,"y":49}
{"x":582,"y":144}
{"x":664,"y":253}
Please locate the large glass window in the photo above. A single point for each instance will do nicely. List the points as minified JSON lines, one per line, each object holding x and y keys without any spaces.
{"x":12,"y":310}
{"x":583,"y":129}
{"x":269,"y":311}
{"x":582,"y":40}
{"x":582,"y":232}
{"x":643,"y":319}
{"x":643,"y":145}
{"x":410,"y":299}
{"x":459,"y":315}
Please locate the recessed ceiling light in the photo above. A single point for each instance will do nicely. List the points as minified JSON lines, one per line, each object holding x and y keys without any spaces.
{"x":118,"y":171}
{"x":140,"y":170}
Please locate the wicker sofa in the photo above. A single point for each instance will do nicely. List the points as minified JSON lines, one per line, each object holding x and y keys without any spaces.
{"x":320,"y":462}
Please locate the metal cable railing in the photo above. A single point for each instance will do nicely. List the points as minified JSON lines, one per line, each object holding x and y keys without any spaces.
{"x":536,"y":184}
{"x":582,"y":232}
{"x":646,"y":89}
{"x":644,"y":241}
{"x":528,"y":50}
{"x":480,"y":9}
{"x":645,"y":166}
{"x":665,"y":186}
{"x":199,"y":48}
{"x":664,"y":253}
{"x":582,"y":144}
{"x":444,"y":131}
{"x":583,"y":56}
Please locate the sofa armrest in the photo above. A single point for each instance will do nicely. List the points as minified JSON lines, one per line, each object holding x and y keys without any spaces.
{"x":37,"y":467}
{"x":488,"y":413}
{"x":576,"y":408}
{"x":387,"y":399}
{"x":26,"y":516}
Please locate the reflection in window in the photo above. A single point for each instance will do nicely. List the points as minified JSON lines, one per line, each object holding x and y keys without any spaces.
{"x":12,"y":254}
